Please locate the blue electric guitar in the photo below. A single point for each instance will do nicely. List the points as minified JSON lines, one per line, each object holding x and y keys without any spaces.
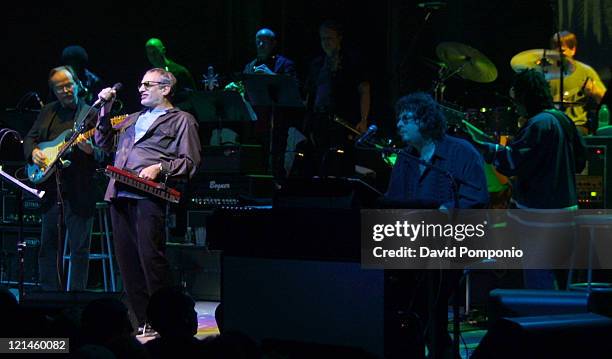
{"x":37,"y":174}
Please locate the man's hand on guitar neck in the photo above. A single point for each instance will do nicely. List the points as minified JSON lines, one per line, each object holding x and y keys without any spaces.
{"x":150,"y":173}
{"x":478,"y":139}
{"x":39,"y":158}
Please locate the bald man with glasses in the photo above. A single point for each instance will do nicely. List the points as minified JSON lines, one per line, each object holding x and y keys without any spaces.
{"x":158,"y":143}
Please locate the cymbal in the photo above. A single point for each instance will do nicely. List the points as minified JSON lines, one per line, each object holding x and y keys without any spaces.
{"x":545,"y":60}
{"x":469,"y":63}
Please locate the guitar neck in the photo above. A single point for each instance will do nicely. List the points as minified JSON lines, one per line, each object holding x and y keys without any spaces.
{"x":346,"y":125}
{"x":87,"y":134}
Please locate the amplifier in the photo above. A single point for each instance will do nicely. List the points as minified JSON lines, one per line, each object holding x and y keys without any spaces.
{"x":9,"y":258}
{"x":592,"y":185}
{"x":9,"y":214}
{"x":208,"y":191}
{"x":197,"y":269}
{"x":232,"y":159}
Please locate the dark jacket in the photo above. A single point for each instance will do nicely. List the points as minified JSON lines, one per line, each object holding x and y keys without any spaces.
{"x":453,"y":155}
{"x":277,"y":63}
{"x":172,"y":140}
{"x":544,"y":158}
{"x":77,"y":179}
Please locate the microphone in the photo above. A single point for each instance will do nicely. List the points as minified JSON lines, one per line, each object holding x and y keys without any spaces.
{"x":431,"y":5}
{"x":211,"y":80}
{"x":101,"y":101}
{"x":366,"y":136}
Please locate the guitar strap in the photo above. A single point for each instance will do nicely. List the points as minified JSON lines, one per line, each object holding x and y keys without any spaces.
{"x":79,"y":115}
{"x":56,"y":108}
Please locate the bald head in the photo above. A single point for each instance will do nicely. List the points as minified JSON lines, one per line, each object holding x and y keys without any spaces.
{"x":156,"y":52}
{"x":155,"y":42}
{"x":265,"y":41}
{"x":266,"y":33}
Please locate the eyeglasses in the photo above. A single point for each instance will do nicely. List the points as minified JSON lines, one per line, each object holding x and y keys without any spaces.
{"x":407,"y":117}
{"x":148,"y":84}
{"x":63,"y":88}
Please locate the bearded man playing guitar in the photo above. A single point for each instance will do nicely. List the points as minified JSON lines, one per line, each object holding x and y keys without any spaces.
{"x":56,"y":119}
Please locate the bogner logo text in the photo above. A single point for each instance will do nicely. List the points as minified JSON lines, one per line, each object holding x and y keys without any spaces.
{"x":219,"y":186}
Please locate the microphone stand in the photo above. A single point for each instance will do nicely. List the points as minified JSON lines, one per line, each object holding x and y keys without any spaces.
{"x":454,"y":182}
{"x":80,"y":129}
{"x":443,"y":75}
{"x":413,"y":41}
{"x":561,"y":70}
{"x":555,"y":11}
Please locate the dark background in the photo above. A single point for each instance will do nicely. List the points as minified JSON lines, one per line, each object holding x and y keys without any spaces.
{"x":389,"y":33}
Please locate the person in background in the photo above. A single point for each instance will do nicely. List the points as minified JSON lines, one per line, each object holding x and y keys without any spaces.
{"x":337,"y":85}
{"x":422,"y":127}
{"x":76,"y":57}
{"x":272,"y":125}
{"x":158,"y":58}
{"x":543,"y":160}
{"x":582,"y":88}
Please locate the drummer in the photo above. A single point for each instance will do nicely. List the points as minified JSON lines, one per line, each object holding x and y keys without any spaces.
{"x":582,"y":86}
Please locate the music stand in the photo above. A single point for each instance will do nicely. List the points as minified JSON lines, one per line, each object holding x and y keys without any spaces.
{"x":213,"y":106}
{"x":219,"y":107}
{"x":272,"y":90}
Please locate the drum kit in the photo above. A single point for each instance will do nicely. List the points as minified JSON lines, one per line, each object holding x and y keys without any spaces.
{"x":460,"y":60}
{"x":496,"y":123}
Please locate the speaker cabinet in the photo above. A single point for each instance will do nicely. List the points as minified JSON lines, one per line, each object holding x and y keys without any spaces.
{"x":528,"y":302}
{"x":9,"y":257}
{"x":582,"y":335}
{"x":197,"y":269}
{"x":323,"y":302}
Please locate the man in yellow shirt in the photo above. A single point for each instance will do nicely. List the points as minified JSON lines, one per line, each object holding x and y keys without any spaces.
{"x":582,"y":86}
